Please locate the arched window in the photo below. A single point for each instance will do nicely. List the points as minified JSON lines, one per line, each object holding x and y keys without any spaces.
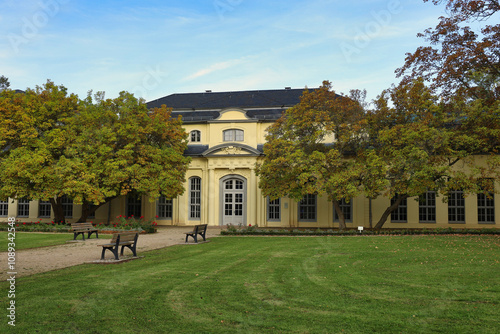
{"x":233,"y":135}
{"x":195,"y":136}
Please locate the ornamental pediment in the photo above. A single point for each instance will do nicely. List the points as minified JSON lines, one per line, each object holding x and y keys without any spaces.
{"x":232,"y":149}
{"x":233,"y":114}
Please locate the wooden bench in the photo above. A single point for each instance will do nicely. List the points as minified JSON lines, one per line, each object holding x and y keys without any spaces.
{"x":124,"y":239}
{"x":82,"y":228}
{"x":198,"y":229}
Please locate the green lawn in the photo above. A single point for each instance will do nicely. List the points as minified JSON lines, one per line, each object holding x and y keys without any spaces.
{"x":25,"y":240}
{"x":387,"y":284}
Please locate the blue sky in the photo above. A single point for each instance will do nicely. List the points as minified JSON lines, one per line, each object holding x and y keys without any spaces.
{"x":156,"y":48}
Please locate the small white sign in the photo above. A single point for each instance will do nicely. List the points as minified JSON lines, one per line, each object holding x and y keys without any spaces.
{"x":360,"y":228}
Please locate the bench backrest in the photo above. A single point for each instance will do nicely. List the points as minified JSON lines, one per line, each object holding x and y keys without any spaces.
{"x":126,"y":236}
{"x":83,"y":225}
{"x":200,"y":228}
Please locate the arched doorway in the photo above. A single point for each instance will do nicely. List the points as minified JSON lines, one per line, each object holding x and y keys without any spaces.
{"x":233,"y":200}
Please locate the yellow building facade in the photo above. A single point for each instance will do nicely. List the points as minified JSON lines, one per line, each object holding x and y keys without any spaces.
{"x":226,"y":137}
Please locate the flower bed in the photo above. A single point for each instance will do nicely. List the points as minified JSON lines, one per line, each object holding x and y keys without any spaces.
{"x":123,"y":224}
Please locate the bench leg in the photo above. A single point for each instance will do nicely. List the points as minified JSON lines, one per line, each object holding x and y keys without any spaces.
{"x":194,"y":235}
{"x":90,"y":233}
{"x":113,"y":250}
{"x":132,"y":248}
{"x":75,"y":234}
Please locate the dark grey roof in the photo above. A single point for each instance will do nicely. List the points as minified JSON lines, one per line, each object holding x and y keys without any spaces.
{"x":196,"y":116}
{"x":195,"y":149}
{"x":240,"y":99}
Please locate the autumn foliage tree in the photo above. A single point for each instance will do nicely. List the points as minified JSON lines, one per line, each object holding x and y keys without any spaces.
{"x":428,"y":145}
{"x":32,"y":131}
{"x":460,"y":61}
{"x":116,"y":146}
{"x":54,"y":145}
{"x":301,"y":157}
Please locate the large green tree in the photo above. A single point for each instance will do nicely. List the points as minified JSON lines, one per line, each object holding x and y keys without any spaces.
{"x":116,"y":146}
{"x":426,"y":144}
{"x":55,"y":145}
{"x":309,"y":150}
{"x":32,"y":127}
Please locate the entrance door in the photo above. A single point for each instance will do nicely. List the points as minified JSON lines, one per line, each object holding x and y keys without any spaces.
{"x":233,"y":202}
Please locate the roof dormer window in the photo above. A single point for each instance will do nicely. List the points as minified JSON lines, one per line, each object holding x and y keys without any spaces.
{"x":195,"y":136}
{"x":233,"y":135}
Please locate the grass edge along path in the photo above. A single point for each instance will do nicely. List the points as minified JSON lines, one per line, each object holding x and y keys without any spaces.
{"x":388,"y":284}
{"x":28,"y":240}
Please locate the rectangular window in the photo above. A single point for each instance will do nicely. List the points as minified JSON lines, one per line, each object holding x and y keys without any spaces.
{"x":273,"y":210}
{"x":486,"y":208}
{"x":164,"y":207}
{"x":23,"y":207}
{"x":195,"y":198}
{"x":4,"y":208}
{"x":44,"y":209}
{"x":427,"y":207}
{"x":233,"y":135}
{"x":346,"y":210}
{"x":307,"y":208}
{"x":134,"y":205}
{"x":456,"y":207}
{"x":399,"y":215}
{"x":67,"y":205}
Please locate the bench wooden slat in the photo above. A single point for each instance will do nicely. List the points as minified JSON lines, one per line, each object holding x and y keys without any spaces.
{"x":123,"y":239}
{"x":82,"y":228}
{"x":200,"y":229}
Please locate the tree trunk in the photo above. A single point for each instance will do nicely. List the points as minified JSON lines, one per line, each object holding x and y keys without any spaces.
{"x":336,"y":205}
{"x":56,"y":204}
{"x":388,"y":211}
{"x":88,"y":208}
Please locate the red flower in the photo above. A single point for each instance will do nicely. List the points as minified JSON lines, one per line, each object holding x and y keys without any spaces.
{"x":157,"y":216}
{"x":141,"y":217}
{"x":249,"y":224}
{"x":24,"y":223}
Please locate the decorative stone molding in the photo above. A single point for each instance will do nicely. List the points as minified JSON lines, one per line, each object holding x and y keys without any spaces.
{"x":232,"y":150}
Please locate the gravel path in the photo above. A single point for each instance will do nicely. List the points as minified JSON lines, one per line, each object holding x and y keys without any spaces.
{"x":33,"y":261}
